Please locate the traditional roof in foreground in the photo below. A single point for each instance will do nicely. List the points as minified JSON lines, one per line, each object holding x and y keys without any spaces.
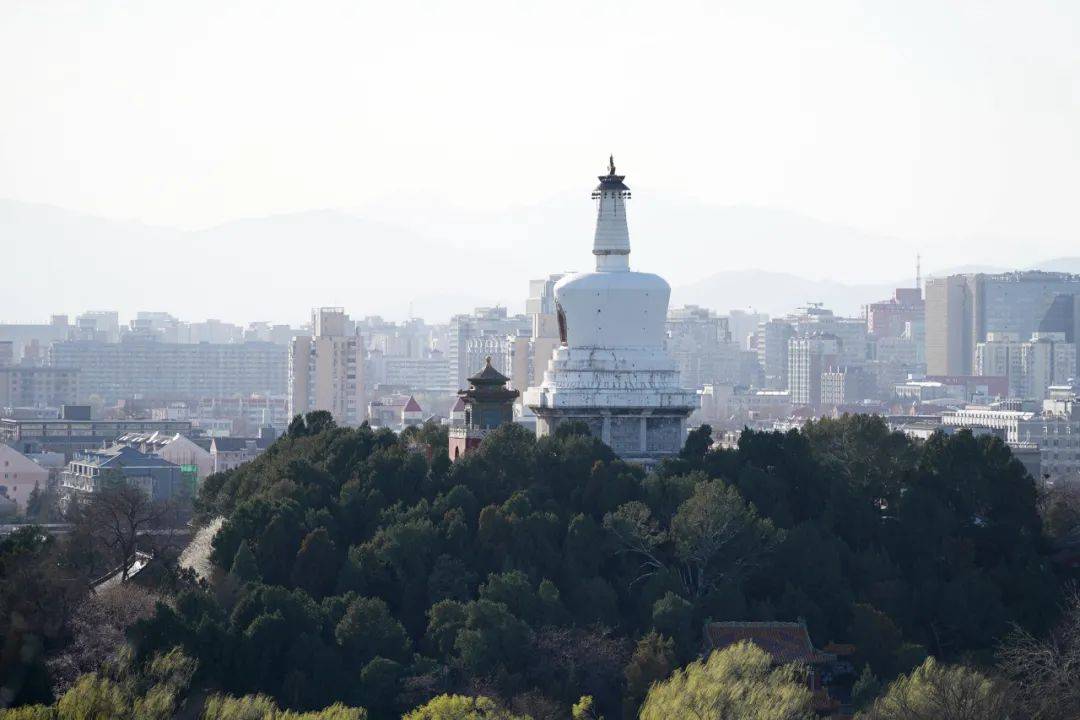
{"x":787,"y":642}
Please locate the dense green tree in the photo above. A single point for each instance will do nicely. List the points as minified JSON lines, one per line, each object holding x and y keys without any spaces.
{"x":492,"y":638}
{"x":316,"y":566}
{"x":698,"y":443}
{"x":445,"y":619}
{"x":866,"y":688}
{"x":379,"y":682}
{"x":244,"y":566}
{"x":368,"y":630}
{"x":653,"y":660}
{"x":673,"y":617}
{"x":40,"y":587}
{"x":718,"y":537}
{"x":514,"y":590}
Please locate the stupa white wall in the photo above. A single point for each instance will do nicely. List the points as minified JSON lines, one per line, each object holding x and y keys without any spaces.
{"x":611,"y":370}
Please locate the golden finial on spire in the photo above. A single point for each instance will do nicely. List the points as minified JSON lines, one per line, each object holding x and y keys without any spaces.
{"x":611,"y":164}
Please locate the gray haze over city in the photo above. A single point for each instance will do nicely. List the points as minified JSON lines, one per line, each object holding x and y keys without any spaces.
{"x":251,"y":161}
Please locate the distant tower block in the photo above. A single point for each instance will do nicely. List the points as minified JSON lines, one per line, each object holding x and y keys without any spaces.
{"x":486,"y":405}
{"x":611,"y":371}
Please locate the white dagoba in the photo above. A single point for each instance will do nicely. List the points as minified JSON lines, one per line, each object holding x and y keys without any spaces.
{"x":611,"y":370}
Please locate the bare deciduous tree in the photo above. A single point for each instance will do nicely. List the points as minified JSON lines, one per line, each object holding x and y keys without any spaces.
{"x":1045,"y":672}
{"x":117,"y":515}
{"x":97,"y":631}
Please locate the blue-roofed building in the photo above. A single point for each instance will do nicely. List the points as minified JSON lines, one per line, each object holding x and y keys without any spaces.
{"x":159,"y":478}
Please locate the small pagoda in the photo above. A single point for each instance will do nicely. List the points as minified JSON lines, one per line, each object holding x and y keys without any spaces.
{"x":488,"y":403}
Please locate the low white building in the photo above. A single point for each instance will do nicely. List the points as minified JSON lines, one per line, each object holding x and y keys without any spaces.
{"x":1008,"y":421}
{"x":228,"y":453}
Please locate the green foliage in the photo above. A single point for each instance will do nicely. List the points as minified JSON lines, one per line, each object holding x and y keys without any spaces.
{"x":260,"y":707}
{"x":866,"y":689}
{"x":583,"y":709}
{"x":379,"y":682}
{"x":653,"y":660}
{"x":40,"y":583}
{"x":368,"y":630}
{"x":244,"y":567}
{"x":934,"y":691}
{"x":737,"y":682}
{"x":316,"y":566}
{"x":492,"y":637}
{"x":459,"y":707}
{"x":29,"y":712}
{"x":674,"y":618}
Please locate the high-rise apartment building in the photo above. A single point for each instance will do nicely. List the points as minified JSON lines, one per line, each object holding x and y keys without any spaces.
{"x":28,"y":386}
{"x":148,"y":368}
{"x":542,"y":312}
{"x":326,"y":368}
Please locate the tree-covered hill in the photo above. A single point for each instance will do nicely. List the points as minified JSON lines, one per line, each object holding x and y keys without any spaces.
{"x":366,"y":568}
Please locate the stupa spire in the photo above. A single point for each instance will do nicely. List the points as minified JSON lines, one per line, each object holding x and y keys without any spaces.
{"x":611,"y":243}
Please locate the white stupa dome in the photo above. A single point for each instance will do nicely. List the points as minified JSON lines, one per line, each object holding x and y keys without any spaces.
{"x":611,"y":370}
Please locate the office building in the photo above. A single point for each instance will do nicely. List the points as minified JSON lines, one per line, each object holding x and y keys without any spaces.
{"x":101,"y":325}
{"x":700,"y":343}
{"x":962,"y":310}
{"x":888,"y":318}
{"x":487,"y":331}
{"x":808,"y":357}
{"x":772,"y":351}
{"x":74,"y":432}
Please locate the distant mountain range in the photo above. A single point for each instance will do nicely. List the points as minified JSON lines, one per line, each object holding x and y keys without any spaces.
{"x":427,"y":261}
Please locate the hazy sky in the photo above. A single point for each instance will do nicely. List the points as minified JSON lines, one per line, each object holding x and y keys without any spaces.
{"x":952,"y":126}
